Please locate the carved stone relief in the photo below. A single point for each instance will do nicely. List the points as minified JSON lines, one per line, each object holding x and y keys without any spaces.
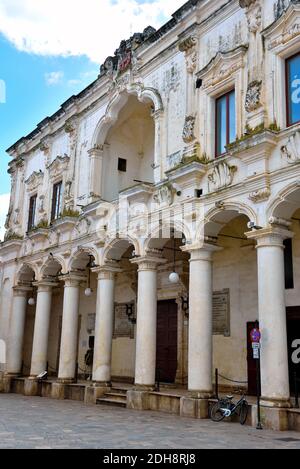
{"x":221,"y":177}
{"x":291,"y":150}
{"x":260,"y":195}
{"x":165,"y":195}
{"x":253,"y":96}
{"x":34,"y":181}
{"x":188,"y":130}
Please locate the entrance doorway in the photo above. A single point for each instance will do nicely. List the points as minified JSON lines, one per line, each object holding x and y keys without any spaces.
{"x":166,"y":350}
{"x":293,"y":334}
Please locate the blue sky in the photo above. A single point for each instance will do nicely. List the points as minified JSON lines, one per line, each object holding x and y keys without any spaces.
{"x":47,"y":57}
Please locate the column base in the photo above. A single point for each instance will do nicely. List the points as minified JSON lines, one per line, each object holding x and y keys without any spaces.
{"x":275,"y":403}
{"x":144,"y":387}
{"x":138,"y":399}
{"x":96,"y":391}
{"x":201,"y":394}
{"x":58,"y":391}
{"x":194,"y":408}
{"x":5,"y":384}
{"x":272,"y":418}
{"x":66,"y":380}
{"x":32,"y":387}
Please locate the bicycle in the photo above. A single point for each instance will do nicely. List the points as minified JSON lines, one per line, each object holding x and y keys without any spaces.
{"x":225,"y":408}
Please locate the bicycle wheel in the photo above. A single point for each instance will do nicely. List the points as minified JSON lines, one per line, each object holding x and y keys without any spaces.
{"x":244,"y":412}
{"x":216,"y":413}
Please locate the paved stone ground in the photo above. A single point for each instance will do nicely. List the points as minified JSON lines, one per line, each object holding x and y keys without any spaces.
{"x":43,"y":423}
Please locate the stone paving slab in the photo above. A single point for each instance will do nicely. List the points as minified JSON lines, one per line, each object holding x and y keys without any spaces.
{"x":32,"y":422}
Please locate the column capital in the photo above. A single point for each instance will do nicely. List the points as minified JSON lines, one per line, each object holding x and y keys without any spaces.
{"x":45,"y":286}
{"x":270,"y":236}
{"x":73,"y":279}
{"x":149,"y":262}
{"x":21,"y":290}
{"x":96,"y":151}
{"x":201,"y":251}
{"x":108,"y":271}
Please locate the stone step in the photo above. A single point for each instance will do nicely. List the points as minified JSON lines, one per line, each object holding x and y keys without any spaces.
{"x":116,"y":396}
{"x":111,"y":402}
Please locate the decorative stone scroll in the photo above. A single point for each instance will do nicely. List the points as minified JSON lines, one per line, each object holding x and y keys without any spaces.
{"x":58,"y":166}
{"x":221,"y":177}
{"x":122,"y":326}
{"x":221,"y":313}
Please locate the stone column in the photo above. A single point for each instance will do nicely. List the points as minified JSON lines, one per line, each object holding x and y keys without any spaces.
{"x":104,"y":325}
{"x":145,"y":366}
{"x":69,"y":334}
{"x":41,"y":329}
{"x":16,"y":335}
{"x":96,"y":164}
{"x":200,"y":355}
{"x":272,"y":314}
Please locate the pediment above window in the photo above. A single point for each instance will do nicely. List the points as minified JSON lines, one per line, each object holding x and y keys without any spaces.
{"x":58,"y":166}
{"x":34,"y":180}
{"x":284,"y":31}
{"x":222,"y":68}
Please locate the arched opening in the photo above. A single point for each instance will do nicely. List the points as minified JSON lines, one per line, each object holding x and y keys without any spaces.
{"x":26,"y":277}
{"x":51,"y":272}
{"x":129,"y":149}
{"x":83,"y":262}
{"x":235,"y":298}
{"x":172,"y":305}
{"x":286,"y":209}
{"x":123,"y":251}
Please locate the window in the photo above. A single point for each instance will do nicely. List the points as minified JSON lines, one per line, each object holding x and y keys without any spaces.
{"x":122,"y":165}
{"x":293,"y":89}
{"x":225,"y":122}
{"x":56,"y":201}
{"x":32,"y":210}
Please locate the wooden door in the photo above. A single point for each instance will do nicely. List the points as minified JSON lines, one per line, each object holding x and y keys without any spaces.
{"x":252,"y":377}
{"x":166,"y":351}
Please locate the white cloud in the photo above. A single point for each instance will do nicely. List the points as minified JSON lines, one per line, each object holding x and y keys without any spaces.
{"x":4,"y":205}
{"x":54,"y":78}
{"x":83,"y":27}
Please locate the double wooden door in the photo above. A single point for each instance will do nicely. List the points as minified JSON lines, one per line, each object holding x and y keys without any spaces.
{"x":166,"y":350}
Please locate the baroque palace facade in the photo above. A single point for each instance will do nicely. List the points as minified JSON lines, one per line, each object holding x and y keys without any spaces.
{"x":154,"y":219}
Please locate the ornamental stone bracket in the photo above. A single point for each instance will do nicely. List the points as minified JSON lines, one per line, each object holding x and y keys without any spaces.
{"x":290,"y":151}
{"x":188,"y":47}
{"x":34,"y":180}
{"x":253,"y":13}
{"x":221,"y":177}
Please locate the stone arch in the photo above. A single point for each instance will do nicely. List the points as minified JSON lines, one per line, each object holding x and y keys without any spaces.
{"x":52,"y":267}
{"x":285,"y":203}
{"x":81,"y":258}
{"x":115,"y":249}
{"x":156,"y":241}
{"x":218,"y":217}
{"x":115,"y":105}
{"x":26,"y":274}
